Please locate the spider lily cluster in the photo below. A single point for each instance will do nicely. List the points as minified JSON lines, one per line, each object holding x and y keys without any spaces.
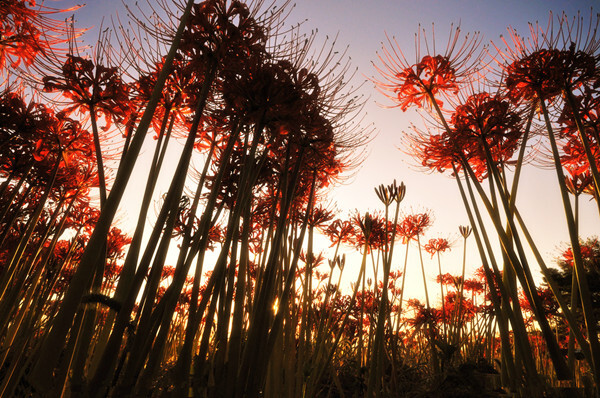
{"x":86,"y":310}
{"x":539,"y":88}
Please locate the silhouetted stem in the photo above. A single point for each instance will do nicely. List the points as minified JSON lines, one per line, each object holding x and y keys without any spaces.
{"x":99,"y":160}
{"x":586,"y":301}
{"x":41,"y":374}
{"x":502,"y":313}
{"x":521,"y":268}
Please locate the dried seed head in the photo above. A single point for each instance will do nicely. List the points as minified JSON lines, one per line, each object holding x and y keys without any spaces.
{"x":401,"y":192}
{"x":465,"y":231}
{"x":385,"y":194}
{"x":391,"y":193}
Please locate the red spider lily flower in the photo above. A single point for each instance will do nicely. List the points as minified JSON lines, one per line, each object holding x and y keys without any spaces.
{"x":329,"y":159}
{"x":321,"y":276}
{"x":174,"y":99}
{"x":468,"y":309}
{"x":319,"y":216}
{"x":223,"y":35}
{"x":590,"y":251}
{"x":40,"y":152}
{"x":380,"y":233}
{"x":418,"y":84}
{"x":19,"y":33}
{"x":550,"y":62}
{"x":184,"y":219}
{"x":549,"y":302}
{"x":447,"y":279}
{"x":437,"y":245}
{"x":575,"y":161}
{"x":264,"y":93}
{"x":537,"y":73}
{"x":168,"y":271}
{"x":391,"y":286}
{"x":432,"y":151}
{"x":63,"y":280}
{"x":61,"y":250}
{"x":229,"y":186}
{"x":489,"y":119}
{"x":340,"y":231}
{"x":578,"y":183}
{"x":216,"y":232}
{"x":311,"y":259}
{"x":481,"y":118}
{"x":423,"y":316}
{"x":26,"y":30}
{"x":442,"y":152}
{"x":22,"y":126}
{"x":34,"y":131}
{"x":115,"y":244}
{"x":91,"y":86}
{"x":172,"y":95}
{"x":414,"y":225}
{"x":368,"y":301}
{"x":474,"y":285}
{"x":574,"y":158}
{"x":185,"y":298}
{"x":112,"y":271}
{"x":374,"y":231}
{"x":215,"y":235}
{"x":84,"y":217}
{"x":395,"y":275}
{"x":213,"y":22}
{"x":480,"y":273}
{"x":77,"y":172}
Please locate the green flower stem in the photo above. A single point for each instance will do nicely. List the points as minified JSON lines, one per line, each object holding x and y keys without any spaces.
{"x":568,"y":313}
{"x":522,"y":271}
{"x":41,"y":375}
{"x":503,"y":314}
{"x":586,"y":301}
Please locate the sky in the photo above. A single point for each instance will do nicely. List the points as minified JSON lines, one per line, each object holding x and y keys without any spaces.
{"x":362,"y":26}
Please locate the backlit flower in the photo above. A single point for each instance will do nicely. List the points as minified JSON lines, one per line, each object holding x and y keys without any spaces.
{"x":414,"y":225}
{"x":417,"y":84}
{"x":340,"y":231}
{"x":437,"y":245}
{"x":552,"y":59}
